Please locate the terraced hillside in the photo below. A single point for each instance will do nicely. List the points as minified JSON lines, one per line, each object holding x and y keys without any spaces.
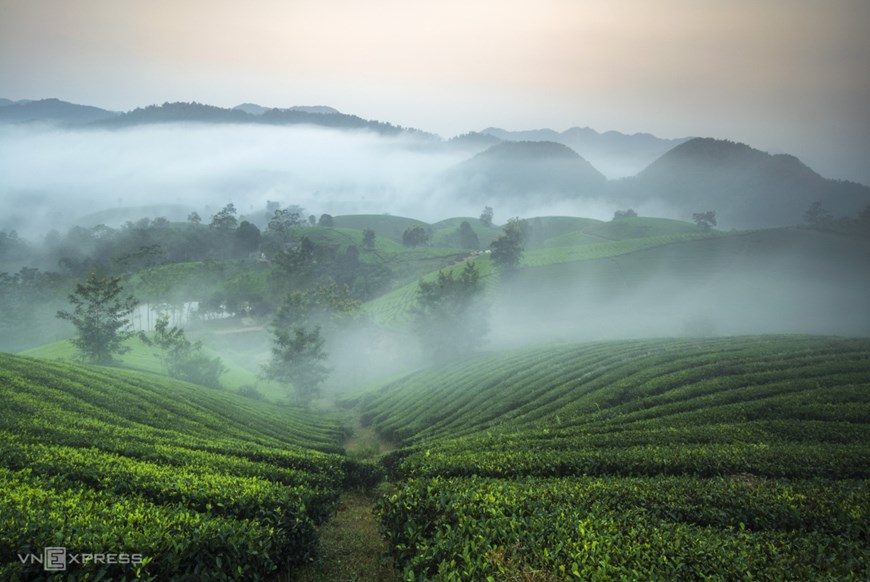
{"x":181,"y":479}
{"x":674,"y":459}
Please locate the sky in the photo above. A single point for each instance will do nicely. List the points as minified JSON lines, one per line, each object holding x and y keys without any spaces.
{"x":781,"y":75}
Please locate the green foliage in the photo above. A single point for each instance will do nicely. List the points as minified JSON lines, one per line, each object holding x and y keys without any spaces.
{"x":297,"y":359}
{"x":508,"y":248}
{"x":622,"y":214}
{"x":450,"y":318}
{"x":486,"y":216}
{"x":100,"y":316}
{"x":415,"y":236}
{"x":705,"y":220}
{"x":671,"y":459}
{"x":198,"y":482}
{"x":611,"y":528}
{"x":225,"y":220}
{"x":182,"y":358}
{"x":467,"y":237}
{"x":247,"y":238}
{"x":368,"y":240}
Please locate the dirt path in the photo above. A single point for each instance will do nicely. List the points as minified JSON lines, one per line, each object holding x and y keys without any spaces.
{"x":350,"y":546}
{"x":351,"y":549}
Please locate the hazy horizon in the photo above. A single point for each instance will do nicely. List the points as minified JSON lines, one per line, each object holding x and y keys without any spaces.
{"x":782,"y":76}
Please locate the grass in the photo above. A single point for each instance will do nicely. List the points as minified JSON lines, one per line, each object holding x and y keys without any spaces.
{"x":351,"y":548}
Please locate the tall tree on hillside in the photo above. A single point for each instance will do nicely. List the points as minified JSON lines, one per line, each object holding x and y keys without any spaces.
{"x":368,"y":240}
{"x":415,"y":236}
{"x":300,"y":329}
{"x":225,"y":220}
{"x":449,"y":317}
{"x":507,"y":249}
{"x":298,"y":359}
{"x":101,"y":317}
{"x":467,"y":237}
{"x":486,"y":216}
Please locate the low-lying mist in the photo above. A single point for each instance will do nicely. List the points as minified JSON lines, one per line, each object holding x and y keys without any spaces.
{"x":53,"y":178}
{"x":775,"y":283}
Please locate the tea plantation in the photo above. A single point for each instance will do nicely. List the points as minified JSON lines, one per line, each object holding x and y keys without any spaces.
{"x":189,"y":480}
{"x":731,"y":458}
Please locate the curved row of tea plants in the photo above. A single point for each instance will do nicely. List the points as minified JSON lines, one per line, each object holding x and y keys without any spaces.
{"x":196,"y":481}
{"x":729,"y":458}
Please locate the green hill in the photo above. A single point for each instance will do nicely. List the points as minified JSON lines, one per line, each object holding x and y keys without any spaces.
{"x":674,"y":459}
{"x":146,"y":359}
{"x":194,"y":481}
{"x":384,"y":225}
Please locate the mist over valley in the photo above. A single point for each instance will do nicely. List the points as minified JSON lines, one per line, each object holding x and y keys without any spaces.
{"x":284,"y":314}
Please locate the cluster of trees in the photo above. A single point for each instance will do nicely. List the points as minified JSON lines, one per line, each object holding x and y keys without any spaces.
{"x":101,"y":313}
{"x":319,"y":284}
{"x":820,"y":218}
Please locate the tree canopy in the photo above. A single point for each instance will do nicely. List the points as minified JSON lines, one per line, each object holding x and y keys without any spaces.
{"x":101,"y":317}
{"x":450,"y":319}
{"x":507,"y":249}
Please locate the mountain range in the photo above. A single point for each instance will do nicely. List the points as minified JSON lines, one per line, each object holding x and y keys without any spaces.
{"x":747,"y":188}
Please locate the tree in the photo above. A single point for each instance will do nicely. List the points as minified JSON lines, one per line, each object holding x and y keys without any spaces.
{"x":486,"y":216}
{"x":283,"y":222}
{"x":194,"y":218}
{"x":297,"y":359}
{"x":182,"y":358}
{"x":705,"y":220}
{"x":225,"y":220}
{"x":368,"y":240}
{"x":101,"y":318}
{"x":449,"y":317}
{"x":326,"y":220}
{"x":507,"y":249}
{"x":816,"y":215}
{"x":620,"y":214}
{"x":467,"y":237}
{"x":301,"y":328}
{"x":415,"y":236}
{"x":247,"y":237}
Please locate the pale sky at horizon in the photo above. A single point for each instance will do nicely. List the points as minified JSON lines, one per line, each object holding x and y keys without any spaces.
{"x":782,"y":75}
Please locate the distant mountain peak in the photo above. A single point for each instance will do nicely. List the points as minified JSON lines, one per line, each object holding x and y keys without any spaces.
{"x":529,"y":150}
{"x":52,"y":110}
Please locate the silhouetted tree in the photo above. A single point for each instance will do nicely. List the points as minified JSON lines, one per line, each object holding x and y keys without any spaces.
{"x":225,"y":220}
{"x":620,"y":214}
{"x":415,"y":236}
{"x":507,"y":249}
{"x":467,"y":237}
{"x":194,"y":218}
{"x":816,"y":215}
{"x":486,"y":216}
{"x":368,"y":240}
{"x":705,"y":220}
{"x":326,"y":220}
{"x":449,"y":317}
{"x":247,"y":237}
